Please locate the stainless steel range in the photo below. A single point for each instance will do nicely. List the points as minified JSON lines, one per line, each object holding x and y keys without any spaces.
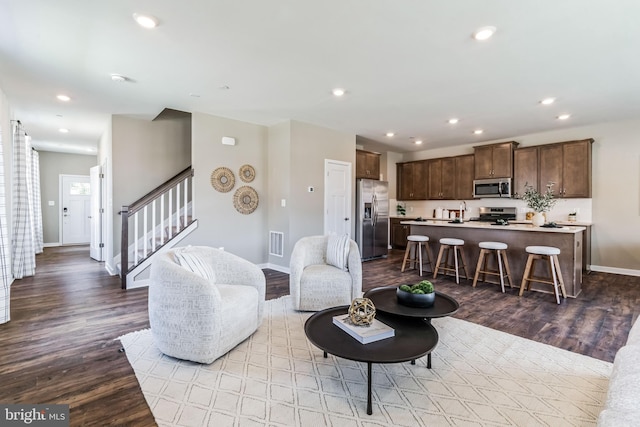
{"x":494,"y":214}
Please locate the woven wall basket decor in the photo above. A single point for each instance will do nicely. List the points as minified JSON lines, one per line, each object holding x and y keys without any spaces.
{"x":247,"y":173}
{"x":245,"y":200}
{"x":223,"y":179}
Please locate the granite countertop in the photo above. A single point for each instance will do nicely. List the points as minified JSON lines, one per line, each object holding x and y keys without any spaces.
{"x":573,"y":229}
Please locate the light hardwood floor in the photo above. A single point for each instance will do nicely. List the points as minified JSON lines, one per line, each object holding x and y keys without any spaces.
{"x":60,"y":345}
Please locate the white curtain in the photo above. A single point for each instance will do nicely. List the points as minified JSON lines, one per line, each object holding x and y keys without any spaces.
{"x":5,"y":260}
{"x":38,"y":238}
{"x":22,"y":239}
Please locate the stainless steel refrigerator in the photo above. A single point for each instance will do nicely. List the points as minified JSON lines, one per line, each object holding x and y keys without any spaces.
{"x":372,"y":218}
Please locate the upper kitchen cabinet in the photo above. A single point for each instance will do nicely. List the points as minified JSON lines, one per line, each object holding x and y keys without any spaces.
{"x":442,"y":176}
{"x":525,"y":169}
{"x":367,"y":164}
{"x":412,"y":180}
{"x":464,"y":177}
{"x":568,"y":166}
{"x":494,"y":160}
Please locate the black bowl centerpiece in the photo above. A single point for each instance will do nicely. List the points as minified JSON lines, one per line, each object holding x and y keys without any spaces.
{"x":421,"y":295}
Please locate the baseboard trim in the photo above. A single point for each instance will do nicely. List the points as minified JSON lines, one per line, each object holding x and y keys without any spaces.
{"x":52,"y":245}
{"x":614,"y":270}
{"x":275,"y":267}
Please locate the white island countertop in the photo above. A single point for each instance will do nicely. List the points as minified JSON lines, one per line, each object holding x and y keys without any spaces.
{"x":510,"y":227}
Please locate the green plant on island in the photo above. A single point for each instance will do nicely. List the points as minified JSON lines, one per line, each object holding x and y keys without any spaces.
{"x":539,"y":202}
{"x":423,"y":287}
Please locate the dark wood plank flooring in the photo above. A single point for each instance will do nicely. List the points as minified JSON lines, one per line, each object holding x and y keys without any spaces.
{"x":60,"y":346}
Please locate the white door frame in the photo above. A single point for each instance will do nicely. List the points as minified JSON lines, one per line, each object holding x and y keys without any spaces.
{"x":61,"y":200}
{"x":96,"y":245}
{"x":349,"y":196}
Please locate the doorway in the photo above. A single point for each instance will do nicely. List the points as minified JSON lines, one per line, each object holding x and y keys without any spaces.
{"x":337,"y":197}
{"x":75,"y":209}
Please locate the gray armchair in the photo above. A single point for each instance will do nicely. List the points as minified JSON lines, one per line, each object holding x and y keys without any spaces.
{"x":316,"y":285}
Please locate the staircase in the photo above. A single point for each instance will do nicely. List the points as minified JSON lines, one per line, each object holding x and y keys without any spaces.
{"x":154,"y":224}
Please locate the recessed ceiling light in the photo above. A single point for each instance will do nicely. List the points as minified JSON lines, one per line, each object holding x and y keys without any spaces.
{"x":484,"y":33}
{"x":564,"y":116}
{"x":418,"y":141}
{"x":338,"y":91}
{"x":118,"y":78}
{"x":63,"y":98}
{"x":453,"y":121}
{"x":548,"y":101}
{"x":63,"y":130}
{"x":478,"y":131}
{"x":390,"y":134}
{"x":146,"y":21}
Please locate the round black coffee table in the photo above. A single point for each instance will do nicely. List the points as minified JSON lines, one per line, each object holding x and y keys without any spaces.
{"x":386,"y":301}
{"x":413,"y":339}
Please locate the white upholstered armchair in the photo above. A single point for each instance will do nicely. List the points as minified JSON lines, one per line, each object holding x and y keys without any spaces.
{"x":315,"y":283}
{"x":203,"y":302}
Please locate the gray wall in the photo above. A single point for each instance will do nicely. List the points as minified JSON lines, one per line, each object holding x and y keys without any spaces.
{"x":144,"y":155}
{"x":288,"y":158}
{"x":310,"y":146}
{"x":219,"y":223}
{"x":279,"y":158}
{"x":52,"y":165}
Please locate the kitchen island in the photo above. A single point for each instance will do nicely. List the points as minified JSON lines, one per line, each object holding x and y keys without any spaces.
{"x":569,"y":239}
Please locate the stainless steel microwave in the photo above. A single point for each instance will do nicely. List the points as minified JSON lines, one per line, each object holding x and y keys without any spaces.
{"x":494,"y":187}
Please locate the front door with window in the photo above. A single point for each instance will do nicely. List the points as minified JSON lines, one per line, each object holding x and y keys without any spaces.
{"x":75,"y":209}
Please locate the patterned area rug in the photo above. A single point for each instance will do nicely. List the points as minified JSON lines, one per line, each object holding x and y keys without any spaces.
{"x":480,"y":377}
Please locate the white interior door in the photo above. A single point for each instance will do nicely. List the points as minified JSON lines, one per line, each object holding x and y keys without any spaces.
{"x":75,"y":209}
{"x":337,"y":197}
{"x":95,"y":219}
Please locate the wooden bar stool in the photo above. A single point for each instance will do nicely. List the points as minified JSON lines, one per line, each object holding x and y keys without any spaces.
{"x":499,"y":249}
{"x":550,"y":254}
{"x":420,"y":243}
{"x":457,"y":245}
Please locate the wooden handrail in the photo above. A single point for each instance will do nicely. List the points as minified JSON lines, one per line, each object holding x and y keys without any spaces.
{"x":128,"y":211}
{"x":157,"y":192}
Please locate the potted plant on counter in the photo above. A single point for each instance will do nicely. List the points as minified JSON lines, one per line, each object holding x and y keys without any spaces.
{"x":539,"y":202}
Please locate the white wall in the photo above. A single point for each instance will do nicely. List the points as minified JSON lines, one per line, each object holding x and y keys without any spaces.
{"x":615,"y":205}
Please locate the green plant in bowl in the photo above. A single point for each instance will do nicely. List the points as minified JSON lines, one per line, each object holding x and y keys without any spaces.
{"x":421,"y":294}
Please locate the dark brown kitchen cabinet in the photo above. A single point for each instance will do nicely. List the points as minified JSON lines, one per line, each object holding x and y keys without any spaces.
{"x":367,"y":164}
{"x":464,"y":177}
{"x":568,"y":166}
{"x":399,"y":233}
{"x":442,"y":175}
{"x":494,"y":160}
{"x":525,"y":169}
{"x":412,"y":180}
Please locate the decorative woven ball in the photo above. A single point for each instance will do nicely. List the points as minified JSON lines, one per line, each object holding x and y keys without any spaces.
{"x":362,"y":311}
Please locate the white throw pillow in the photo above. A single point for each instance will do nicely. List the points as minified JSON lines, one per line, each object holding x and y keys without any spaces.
{"x":338,"y":251}
{"x":190,"y":259}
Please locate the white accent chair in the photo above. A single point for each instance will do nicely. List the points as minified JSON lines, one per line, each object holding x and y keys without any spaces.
{"x":315,"y":285}
{"x":197,"y":319}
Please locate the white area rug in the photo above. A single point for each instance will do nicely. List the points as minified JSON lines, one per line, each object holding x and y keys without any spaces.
{"x":480,"y":377}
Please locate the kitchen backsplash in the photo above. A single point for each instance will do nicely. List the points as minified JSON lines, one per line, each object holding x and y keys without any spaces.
{"x":560,"y":212}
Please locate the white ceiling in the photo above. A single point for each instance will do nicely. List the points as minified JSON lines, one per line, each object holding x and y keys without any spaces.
{"x":408,"y":66}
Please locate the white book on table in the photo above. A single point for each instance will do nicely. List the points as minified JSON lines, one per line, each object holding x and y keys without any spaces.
{"x":365,"y":334}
